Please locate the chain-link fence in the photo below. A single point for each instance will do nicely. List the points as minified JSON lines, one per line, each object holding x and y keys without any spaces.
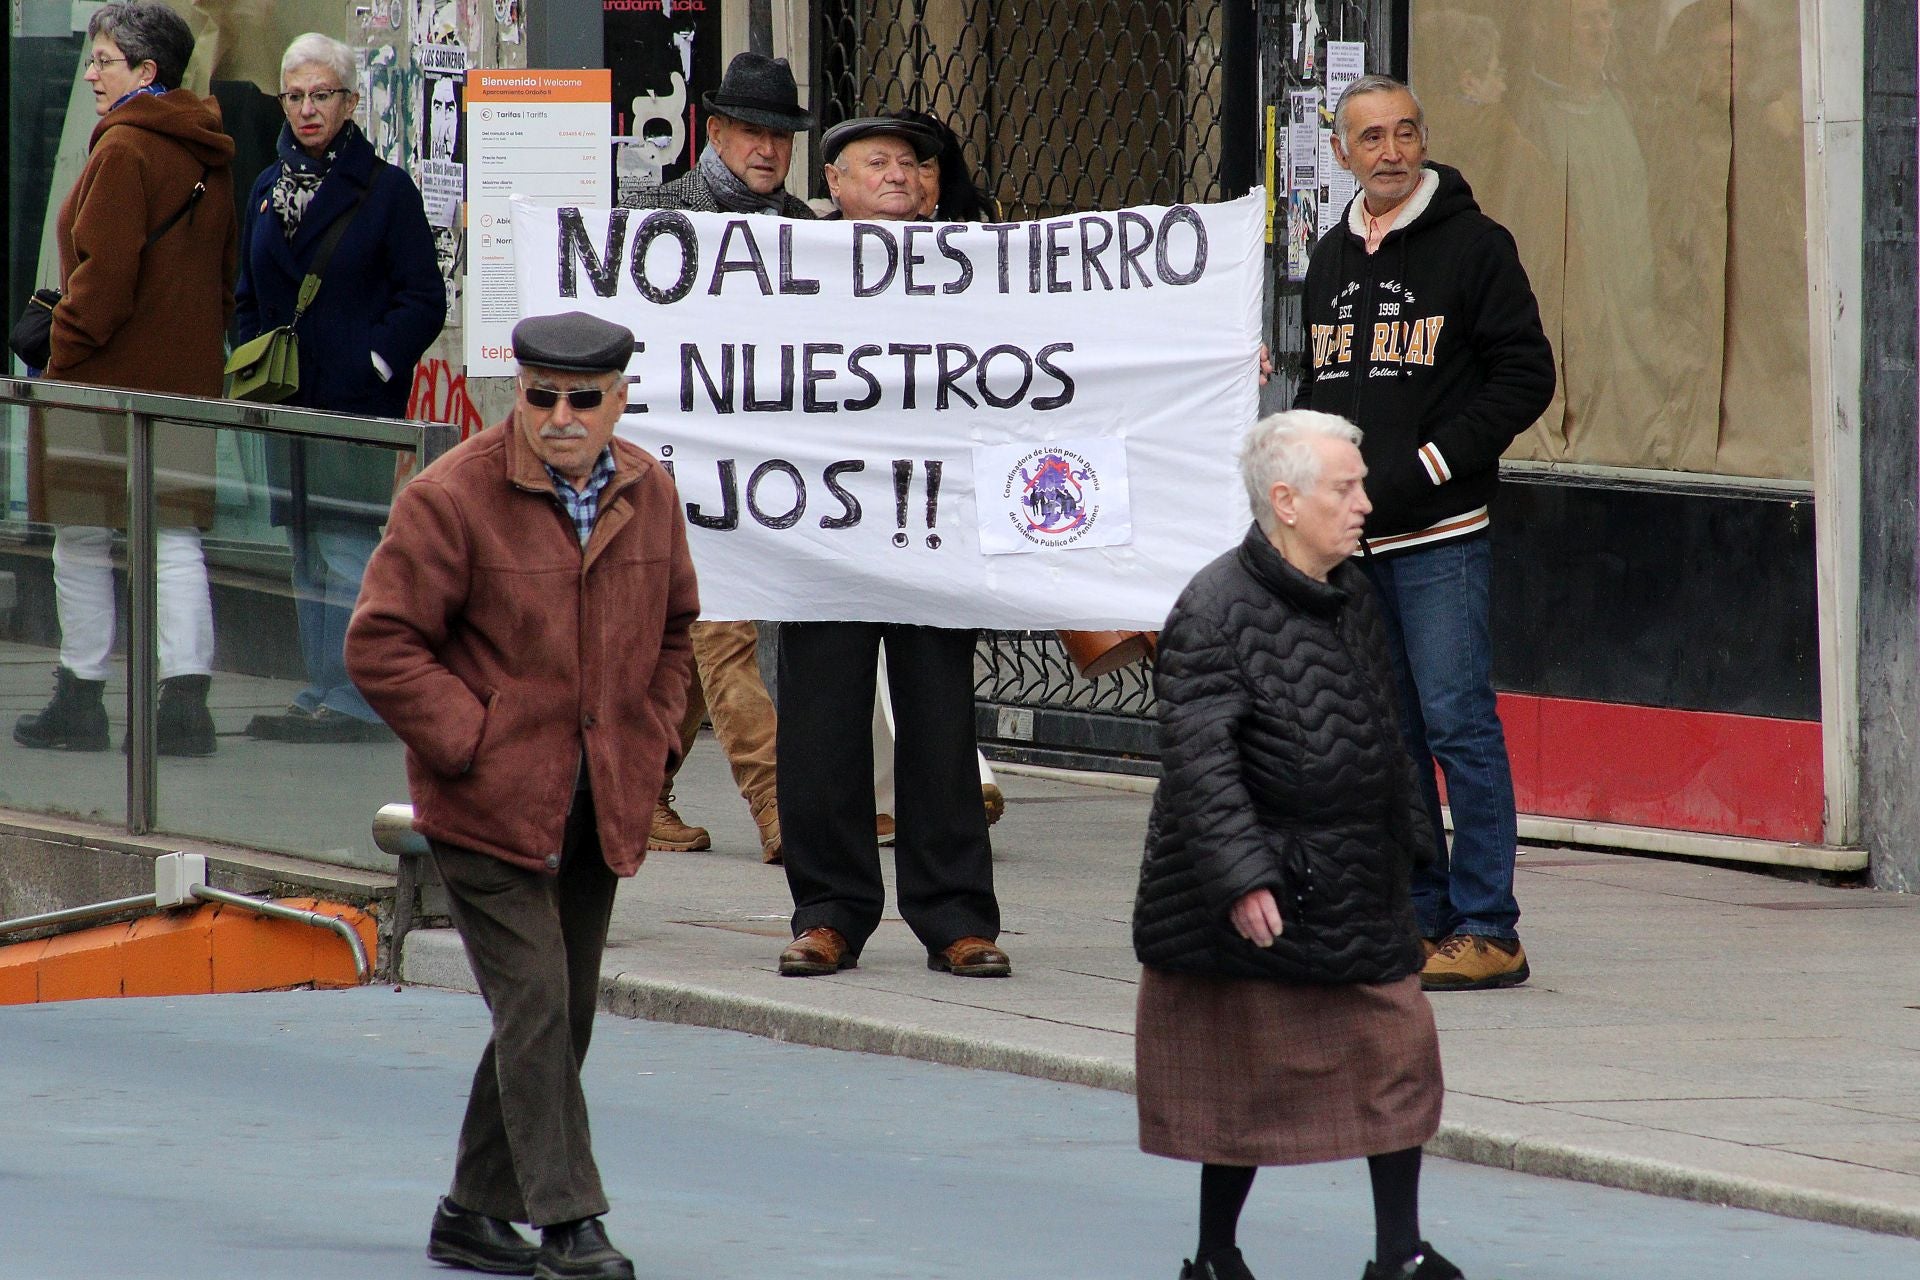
{"x":1069,"y":105}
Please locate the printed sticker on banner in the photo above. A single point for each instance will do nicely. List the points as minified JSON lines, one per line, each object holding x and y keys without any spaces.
{"x":1052,"y":497}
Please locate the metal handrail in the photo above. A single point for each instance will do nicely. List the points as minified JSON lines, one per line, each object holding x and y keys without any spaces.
{"x":201,"y":411}
{"x":180,"y":878}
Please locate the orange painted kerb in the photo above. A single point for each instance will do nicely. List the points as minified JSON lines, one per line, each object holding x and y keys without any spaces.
{"x":179,"y":953}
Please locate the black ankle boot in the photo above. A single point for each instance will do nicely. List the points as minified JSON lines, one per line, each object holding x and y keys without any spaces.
{"x":1425,"y":1264}
{"x":182,"y":724}
{"x":76,"y":719}
{"x":1225,"y":1265}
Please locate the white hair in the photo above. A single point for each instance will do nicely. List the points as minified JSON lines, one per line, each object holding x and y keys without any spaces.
{"x":1279,"y":450}
{"x":323,"y":50}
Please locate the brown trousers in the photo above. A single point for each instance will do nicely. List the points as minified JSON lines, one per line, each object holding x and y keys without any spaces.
{"x":534,"y":942}
{"x":727,"y":687}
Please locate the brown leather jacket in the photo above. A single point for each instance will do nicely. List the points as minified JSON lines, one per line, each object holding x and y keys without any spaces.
{"x":498,"y":649}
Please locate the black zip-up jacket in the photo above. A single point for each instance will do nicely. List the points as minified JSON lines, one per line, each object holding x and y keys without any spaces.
{"x":1283,"y":769}
{"x":1432,"y":345}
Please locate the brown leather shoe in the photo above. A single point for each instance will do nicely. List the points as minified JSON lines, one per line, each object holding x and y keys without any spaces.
{"x":817,"y":951}
{"x":884,"y":830}
{"x":672,"y":835}
{"x":1468,"y":962}
{"x":995,"y":800}
{"x":971,"y":958}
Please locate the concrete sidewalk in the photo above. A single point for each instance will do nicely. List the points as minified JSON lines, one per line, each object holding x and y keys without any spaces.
{"x":1712,"y":1034}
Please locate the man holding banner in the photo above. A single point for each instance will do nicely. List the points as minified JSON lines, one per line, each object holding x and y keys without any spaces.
{"x":943,"y":857}
{"x":751,"y":120}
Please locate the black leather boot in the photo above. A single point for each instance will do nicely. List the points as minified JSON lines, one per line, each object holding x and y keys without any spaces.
{"x":1225,"y":1265}
{"x":76,"y":719}
{"x":1425,"y":1264}
{"x":182,"y":724}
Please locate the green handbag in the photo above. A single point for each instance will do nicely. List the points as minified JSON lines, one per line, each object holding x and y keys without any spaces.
{"x":266,"y":369}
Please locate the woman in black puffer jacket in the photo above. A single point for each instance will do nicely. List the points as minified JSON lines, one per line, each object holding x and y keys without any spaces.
{"x":1281,"y":1019}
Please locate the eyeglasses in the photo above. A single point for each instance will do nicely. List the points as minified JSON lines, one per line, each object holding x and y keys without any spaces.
{"x":101,"y":64}
{"x":319,"y":98}
{"x":578,"y":398}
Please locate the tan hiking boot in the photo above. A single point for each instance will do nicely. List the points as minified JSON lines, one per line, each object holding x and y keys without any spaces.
{"x":1468,"y":962}
{"x":672,"y":835}
{"x":767,"y":818}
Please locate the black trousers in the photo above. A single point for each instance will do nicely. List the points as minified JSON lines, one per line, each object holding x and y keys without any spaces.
{"x":534,"y":942}
{"x":942,"y":859}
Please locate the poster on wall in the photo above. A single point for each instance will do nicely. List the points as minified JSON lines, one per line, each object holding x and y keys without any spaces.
{"x":1303,"y":178}
{"x":663,"y":57}
{"x":538,"y":134}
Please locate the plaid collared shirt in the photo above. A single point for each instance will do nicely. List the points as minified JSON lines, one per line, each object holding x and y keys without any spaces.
{"x":583,"y":505}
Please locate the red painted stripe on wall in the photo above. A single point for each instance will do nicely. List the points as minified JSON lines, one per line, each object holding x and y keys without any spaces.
{"x":1657,"y":767}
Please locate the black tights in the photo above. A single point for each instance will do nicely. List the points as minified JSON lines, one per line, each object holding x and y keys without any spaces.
{"x":1396,"y":1205}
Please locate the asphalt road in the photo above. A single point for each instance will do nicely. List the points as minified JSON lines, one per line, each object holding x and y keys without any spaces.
{"x":307,"y":1134}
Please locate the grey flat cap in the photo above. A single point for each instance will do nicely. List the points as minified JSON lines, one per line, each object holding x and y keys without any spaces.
{"x":925,"y":145}
{"x":573,"y":341}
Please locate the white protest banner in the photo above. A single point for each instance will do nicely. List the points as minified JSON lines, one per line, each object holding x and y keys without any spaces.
{"x":1005,"y":425}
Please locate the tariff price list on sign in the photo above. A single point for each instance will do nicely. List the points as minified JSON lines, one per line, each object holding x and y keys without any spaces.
{"x":544,"y":135}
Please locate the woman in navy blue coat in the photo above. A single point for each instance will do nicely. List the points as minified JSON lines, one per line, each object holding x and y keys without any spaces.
{"x":380,"y":306}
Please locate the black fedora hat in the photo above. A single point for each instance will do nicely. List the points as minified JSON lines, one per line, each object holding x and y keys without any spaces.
{"x":759,"y":90}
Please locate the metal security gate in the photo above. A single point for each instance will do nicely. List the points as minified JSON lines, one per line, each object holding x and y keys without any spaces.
{"x":1069,"y":105}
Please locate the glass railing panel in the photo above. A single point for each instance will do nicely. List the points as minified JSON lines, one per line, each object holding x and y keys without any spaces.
{"x":261,"y":543}
{"x":63,"y":608}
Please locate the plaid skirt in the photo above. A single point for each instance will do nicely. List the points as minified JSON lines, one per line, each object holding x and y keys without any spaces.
{"x":1252,"y":1072}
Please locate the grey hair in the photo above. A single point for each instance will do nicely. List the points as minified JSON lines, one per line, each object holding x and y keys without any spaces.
{"x":1279,"y":450}
{"x":146,"y":32}
{"x":325,"y":50}
{"x":1376,"y":84}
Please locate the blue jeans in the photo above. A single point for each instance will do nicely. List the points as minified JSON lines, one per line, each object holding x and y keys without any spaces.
{"x":1438,"y":613}
{"x":329,"y":559}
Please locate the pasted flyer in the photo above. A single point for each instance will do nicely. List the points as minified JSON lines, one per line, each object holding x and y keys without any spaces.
{"x":545,"y":135}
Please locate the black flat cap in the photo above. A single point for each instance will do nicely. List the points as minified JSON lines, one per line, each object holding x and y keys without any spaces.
{"x":925,"y":145}
{"x":574,"y":342}
{"x":759,"y":90}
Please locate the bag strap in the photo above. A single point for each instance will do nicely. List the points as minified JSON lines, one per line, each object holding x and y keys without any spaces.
{"x":193,"y":198}
{"x":310,"y":286}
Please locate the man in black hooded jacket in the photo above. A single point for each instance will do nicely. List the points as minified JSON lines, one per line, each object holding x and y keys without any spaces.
{"x":1421,"y":328}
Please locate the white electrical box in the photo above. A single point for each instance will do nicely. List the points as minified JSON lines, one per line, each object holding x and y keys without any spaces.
{"x":174,"y":875}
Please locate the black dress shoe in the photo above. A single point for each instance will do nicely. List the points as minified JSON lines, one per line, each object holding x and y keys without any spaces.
{"x":1425,"y":1264}
{"x":580,"y":1251}
{"x":463,"y":1238}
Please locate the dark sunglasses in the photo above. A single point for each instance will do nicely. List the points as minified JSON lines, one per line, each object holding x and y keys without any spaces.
{"x":579,"y":398}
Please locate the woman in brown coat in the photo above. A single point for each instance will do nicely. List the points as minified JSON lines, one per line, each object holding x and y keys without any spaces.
{"x":1281,"y":1018}
{"x":147,"y":261}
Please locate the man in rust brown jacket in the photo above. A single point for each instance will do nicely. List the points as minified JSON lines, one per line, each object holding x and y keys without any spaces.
{"x":523,"y":628}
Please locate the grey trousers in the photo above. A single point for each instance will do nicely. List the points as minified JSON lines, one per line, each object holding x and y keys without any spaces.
{"x":534,"y":942}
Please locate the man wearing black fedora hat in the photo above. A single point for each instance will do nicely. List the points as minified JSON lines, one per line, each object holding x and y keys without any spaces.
{"x":751,"y":120}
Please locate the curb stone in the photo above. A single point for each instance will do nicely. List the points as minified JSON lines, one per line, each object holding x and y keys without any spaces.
{"x":434,"y":958}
